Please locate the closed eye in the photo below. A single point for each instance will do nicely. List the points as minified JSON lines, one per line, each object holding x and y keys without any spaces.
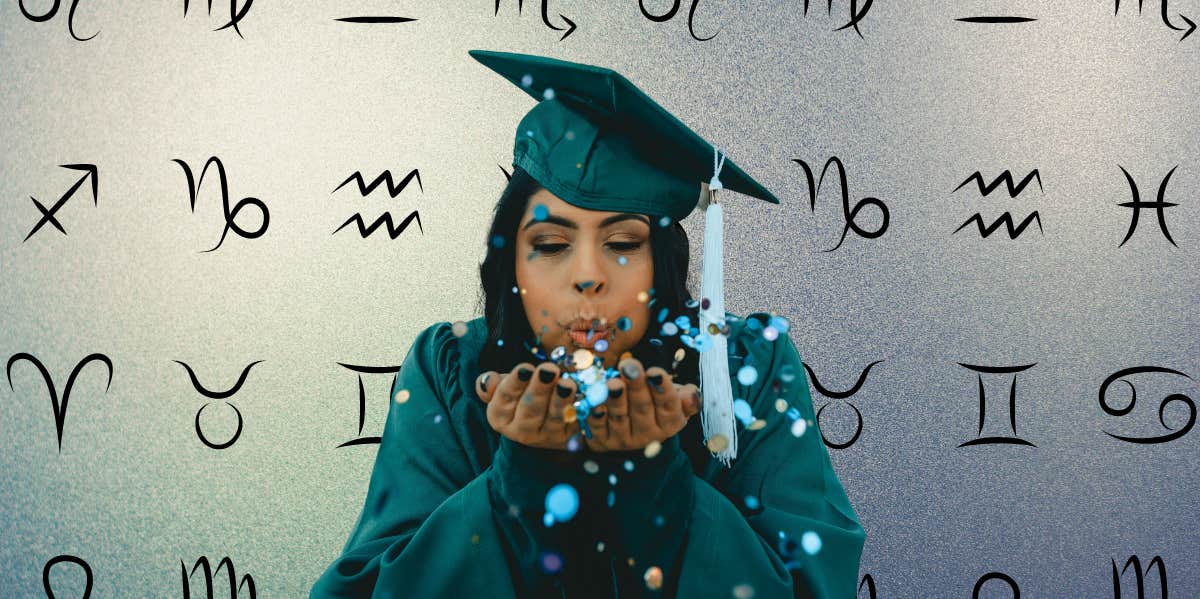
{"x":554,"y":248}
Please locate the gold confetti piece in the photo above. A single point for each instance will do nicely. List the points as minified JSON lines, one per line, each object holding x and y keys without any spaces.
{"x":631,"y":562}
{"x":757,"y":424}
{"x":781,"y":405}
{"x":522,"y":291}
{"x":402,"y":396}
{"x":743,"y":591}
{"x":642,"y":297}
{"x":475,"y":539}
{"x":459,"y":328}
{"x":653,"y":448}
{"x":591,"y":467}
{"x":625,"y":356}
{"x":717,"y":443}
{"x":582,"y":358}
{"x":569,"y":414}
{"x":653,"y":578}
{"x":679,"y":354}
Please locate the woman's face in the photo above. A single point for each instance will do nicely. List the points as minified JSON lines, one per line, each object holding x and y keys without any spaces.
{"x":580,"y":269}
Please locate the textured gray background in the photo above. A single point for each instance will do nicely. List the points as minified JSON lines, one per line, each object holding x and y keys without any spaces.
{"x":304,"y":101}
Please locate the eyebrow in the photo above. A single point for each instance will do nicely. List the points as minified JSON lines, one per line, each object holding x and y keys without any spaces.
{"x":570,"y":224}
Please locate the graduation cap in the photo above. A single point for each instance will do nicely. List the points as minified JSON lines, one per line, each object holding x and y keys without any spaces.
{"x":598,"y":142}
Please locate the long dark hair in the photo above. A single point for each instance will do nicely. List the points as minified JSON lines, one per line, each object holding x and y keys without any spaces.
{"x":505,"y":314}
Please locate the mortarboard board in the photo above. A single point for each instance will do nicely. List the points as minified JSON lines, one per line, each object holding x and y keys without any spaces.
{"x":598,"y":142}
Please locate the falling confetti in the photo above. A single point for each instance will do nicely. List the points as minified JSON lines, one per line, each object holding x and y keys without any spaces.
{"x":743,"y":591}
{"x":781,"y":405}
{"x":747,"y":375}
{"x":498,"y":241}
{"x":652,"y":449}
{"x":717,"y":443}
{"x":653,"y":578}
{"x":798,"y":427}
{"x":459,"y":328}
{"x":402,"y":396}
{"x":562,"y":501}
{"x":810,"y":542}
{"x":551,"y":562}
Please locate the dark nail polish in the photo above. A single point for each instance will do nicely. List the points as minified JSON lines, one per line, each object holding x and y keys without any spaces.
{"x":631,"y":372}
{"x":655,"y":381}
{"x":562,"y":390}
{"x":524,"y":374}
{"x":545,"y":375}
{"x":615,"y":393}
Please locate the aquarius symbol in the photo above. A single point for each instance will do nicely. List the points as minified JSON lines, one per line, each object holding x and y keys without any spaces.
{"x":218,"y":395}
{"x":50,"y":15}
{"x":235,"y":15}
{"x":230,"y":216}
{"x":849,"y":214}
{"x":87,"y":574}
{"x":545,"y":17}
{"x":60,"y":410}
{"x":48,"y":213}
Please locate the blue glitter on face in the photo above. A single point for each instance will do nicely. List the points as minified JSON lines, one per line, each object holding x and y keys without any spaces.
{"x":540,"y":212}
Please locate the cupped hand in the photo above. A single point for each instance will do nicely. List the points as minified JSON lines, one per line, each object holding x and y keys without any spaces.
{"x":643,"y":405}
{"x":527,"y":404}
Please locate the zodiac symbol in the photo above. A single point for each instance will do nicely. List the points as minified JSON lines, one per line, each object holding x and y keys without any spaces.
{"x":849,"y":214}
{"x":1137,"y":569}
{"x":235,"y":15}
{"x":1012,"y":406}
{"x":87,"y":574}
{"x":60,"y":410}
{"x":546,"y":17}
{"x":1187,"y":401}
{"x":1137,"y":204}
{"x":1165,"y":19}
{"x":1006,"y":218}
{"x":862,"y":378}
{"x":362,"y":398}
{"x":855,"y":14}
{"x":226,"y":563}
{"x":691,"y":16}
{"x":50,"y":15}
{"x":218,"y":395}
{"x":393,"y":190}
{"x":1012,"y":584}
{"x":230,"y":216}
{"x":375,"y":19}
{"x":48,"y":214}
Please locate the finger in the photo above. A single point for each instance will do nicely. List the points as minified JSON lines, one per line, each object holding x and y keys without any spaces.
{"x":690,"y":395}
{"x":620,"y":431}
{"x":485,"y":385}
{"x":535,"y":401}
{"x":508,"y":393}
{"x":667,"y":409}
{"x":564,"y":394}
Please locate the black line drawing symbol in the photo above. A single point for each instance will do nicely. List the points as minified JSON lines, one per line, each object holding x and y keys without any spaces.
{"x":60,"y":410}
{"x":393,"y":190}
{"x":235,"y":15}
{"x":856,"y":15}
{"x":218,"y":395}
{"x":1111,"y":411}
{"x":1137,"y":569}
{"x":1137,"y":204}
{"x":1012,"y":404}
{"x":230,"y":216}
{"x":570,"y":28}
{"x":1012,"y":584}
{"x":234,"y":584}
{"x":1006,"y":218}
{"x":71,"y":559}
{"x":868,"y":580}
{"x":691,"y":17}
{"x":1165,"y":18}
{"x":862,"y":378}
{"x":362,"y":399}
{"x":50,"y":15}
{"x":375,"y":19}
{"x":89,"y":170}
{"x":849,"y":214}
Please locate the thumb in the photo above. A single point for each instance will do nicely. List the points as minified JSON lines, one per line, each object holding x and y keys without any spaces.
{"x":691,"y":400}
{"x":484,"y":385}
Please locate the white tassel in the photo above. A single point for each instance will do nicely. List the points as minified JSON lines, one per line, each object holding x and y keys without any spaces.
{"x":717,"y":416}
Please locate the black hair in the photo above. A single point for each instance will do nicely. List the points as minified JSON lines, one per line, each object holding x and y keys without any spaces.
{"x":505,"y":315}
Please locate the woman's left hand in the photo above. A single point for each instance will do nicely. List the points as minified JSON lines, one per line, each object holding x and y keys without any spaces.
{"x":642,"y":406}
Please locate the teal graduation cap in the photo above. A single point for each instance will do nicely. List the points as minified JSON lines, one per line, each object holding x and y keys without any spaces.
{"x":598,"y":142}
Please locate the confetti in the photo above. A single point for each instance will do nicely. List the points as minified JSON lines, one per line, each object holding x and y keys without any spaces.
{"x":548,"y":94}
{"x":652,"y":449}
{"x":770,"y":333}
{"x":402,"y":396}
{"x":781,"y":405}
{"x":747,"y":375}
{"x":551,"y":562}
{"x":459,"y":328}
{"x":562,"y":501}
{"x":743,"y":591}
{"x":669,"y":329}
{"x":780,"y":324}
{"x":624,"y":324}
{"x":653,"y":578}
{"x":741,"y":409}
{"x":798,"y":427}
{"x":601,"y":345}
{"x":526,"y":80}
{"x":810,"y":542}
{"x":498,"y":241}
{"x":628,"y":465}
{"x":751,"y":502}
{"x":757,"y":424}
{"x":622,"y":260}
{"x":591,"y":467}
{"x":642,"y":296}
{"x":717,"y":443}
{"x":540,"y":212}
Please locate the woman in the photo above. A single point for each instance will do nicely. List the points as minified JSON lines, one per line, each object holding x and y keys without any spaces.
{"x":483,"y":483}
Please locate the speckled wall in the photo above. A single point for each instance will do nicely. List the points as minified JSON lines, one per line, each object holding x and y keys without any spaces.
{"x":1001,"y":252}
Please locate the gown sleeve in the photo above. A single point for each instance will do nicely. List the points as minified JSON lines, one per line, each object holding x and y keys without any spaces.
{"x":777,"y":521}
{"x":434,"y":524}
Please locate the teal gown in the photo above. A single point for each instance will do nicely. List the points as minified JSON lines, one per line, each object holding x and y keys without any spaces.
{"x":455,"y":509}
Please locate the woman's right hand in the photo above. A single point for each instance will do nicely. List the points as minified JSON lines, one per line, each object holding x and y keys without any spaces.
{"x":526,"y":404}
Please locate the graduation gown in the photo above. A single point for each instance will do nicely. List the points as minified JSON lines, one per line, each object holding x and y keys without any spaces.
{"x":455,"y":509}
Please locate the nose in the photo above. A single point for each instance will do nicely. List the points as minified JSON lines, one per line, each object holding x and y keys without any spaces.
{"x":588,"y":272}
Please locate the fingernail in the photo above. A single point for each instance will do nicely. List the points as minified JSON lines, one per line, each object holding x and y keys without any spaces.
{"x":545,"y":375}
{"x":524,"y":374}
{"x":483,"y":381}
{"x":655,"y":381}
{"x":562,"y":390}
{"x":631,"y":372}
{"x":615,"y":393}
